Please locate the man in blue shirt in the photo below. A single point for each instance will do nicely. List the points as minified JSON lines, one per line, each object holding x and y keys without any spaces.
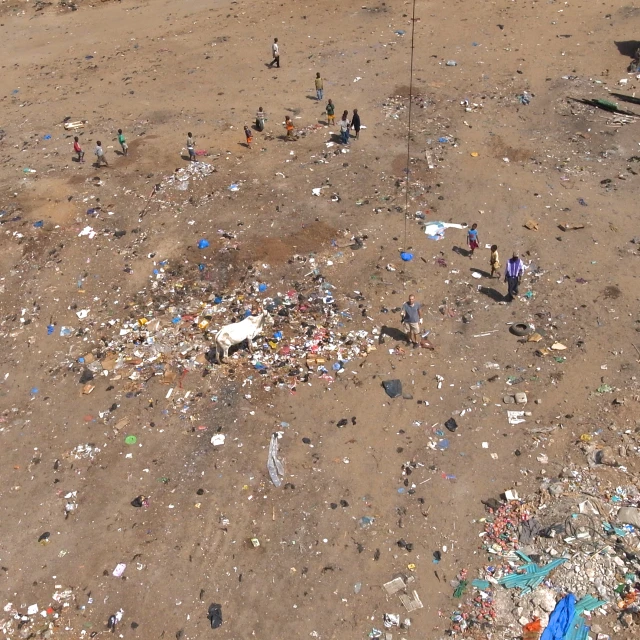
{"x":513,"y":275}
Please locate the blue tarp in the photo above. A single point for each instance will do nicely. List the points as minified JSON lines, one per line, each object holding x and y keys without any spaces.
{"x":561,"y":619}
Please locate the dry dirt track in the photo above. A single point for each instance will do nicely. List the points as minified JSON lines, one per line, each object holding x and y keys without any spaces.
{"x":159,"y":70}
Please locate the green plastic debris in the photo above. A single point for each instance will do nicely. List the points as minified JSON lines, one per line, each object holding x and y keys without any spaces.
{"x":531,"y":576}
{"x":460,"y":589}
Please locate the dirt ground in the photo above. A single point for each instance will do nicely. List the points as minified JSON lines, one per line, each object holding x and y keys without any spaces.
{"x":158,"y":70}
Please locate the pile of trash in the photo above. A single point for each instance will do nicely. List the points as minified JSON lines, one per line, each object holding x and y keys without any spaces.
{"x":169,"y":331}
{"x":393,"y":105}
{"x":559,"y":560}
{"x":36,"y":621}
{"x":179,"y":179}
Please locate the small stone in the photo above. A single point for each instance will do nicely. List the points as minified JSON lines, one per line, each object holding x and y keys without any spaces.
{"x":538,"y":401}
{"x":556,"y":489}
{"x":521,"y":397}
{"x":509,"y":400}
{"x":627,"y":620}
{"x":605,"y":456}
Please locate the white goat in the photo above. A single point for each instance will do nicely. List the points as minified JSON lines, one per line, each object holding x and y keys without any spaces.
{"x":238,"y":332}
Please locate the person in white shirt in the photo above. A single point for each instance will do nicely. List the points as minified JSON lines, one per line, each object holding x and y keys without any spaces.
{"x":344,"y":125}
{"x":275,"y":50}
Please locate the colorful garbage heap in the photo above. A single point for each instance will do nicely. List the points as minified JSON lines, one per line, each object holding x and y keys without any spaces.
{"x":170,"y":327}
{"x":556,"y":562}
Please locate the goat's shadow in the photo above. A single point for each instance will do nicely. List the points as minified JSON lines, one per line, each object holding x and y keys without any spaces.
{"x":212,"y":355}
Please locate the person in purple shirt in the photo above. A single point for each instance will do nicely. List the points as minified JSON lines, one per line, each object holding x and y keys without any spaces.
{"x":513,"y":275}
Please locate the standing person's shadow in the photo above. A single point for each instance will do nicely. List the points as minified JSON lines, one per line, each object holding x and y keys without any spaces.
{"x":393,"y":333}
{"x":462,"y":252}
{"x":492,"y":293}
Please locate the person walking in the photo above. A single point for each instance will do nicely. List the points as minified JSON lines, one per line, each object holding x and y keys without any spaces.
{"x":344,"y":125}
{"x":248,"y":135}
{"x":473,"y":241}
{"x":191,"y":146}
{"x":355,"y":123}
{"x":100,"y":155}
{"x":513,"y":275}
{"x":319,"y":87}
{"x":412,"y":319}
{"x":275,"y":51}
{"x":78,"y":149}
{"x":261,"y":116}
{"x":331,"y":112}
{"x":123,"y":142}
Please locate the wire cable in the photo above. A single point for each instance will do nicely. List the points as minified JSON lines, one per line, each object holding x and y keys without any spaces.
{"x":408,"y":170}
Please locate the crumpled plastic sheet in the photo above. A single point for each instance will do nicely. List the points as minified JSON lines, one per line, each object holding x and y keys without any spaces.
{"x":435,"y":230}
{"x":274,"y":464}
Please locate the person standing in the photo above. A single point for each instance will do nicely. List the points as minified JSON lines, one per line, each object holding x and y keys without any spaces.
{"x":191,"y":146}
{"x":355,"y":123}
{"x":100,"y":155}
{"x":473,"y":241}
{"x":275,"y":51}
{"x":494,"y":260}
{"x":78,"y":149}
{"x":331,"y":112}
{"x":248,"y":135}
{"x":513,"y":275}
{"x":289,"y":127}
{"x":123,"y":142}
{"x":319,"y":87}
{"x":261,"y":116}
{"x":344,"y":125}
{"x":412,"y":319}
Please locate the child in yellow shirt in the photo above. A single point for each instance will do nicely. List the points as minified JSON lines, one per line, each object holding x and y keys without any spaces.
{"x":494,"y":260}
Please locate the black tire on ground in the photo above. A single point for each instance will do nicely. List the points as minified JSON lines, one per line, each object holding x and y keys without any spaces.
{"x":520,"y":329}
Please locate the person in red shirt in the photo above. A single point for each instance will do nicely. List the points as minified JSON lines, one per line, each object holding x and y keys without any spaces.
{"x":78,"y":149}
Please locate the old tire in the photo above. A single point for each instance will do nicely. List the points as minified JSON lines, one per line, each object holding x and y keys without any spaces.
{"x":520,"y":329}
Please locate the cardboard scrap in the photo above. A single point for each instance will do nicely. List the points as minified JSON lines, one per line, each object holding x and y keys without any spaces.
{"x":411,"y":604}
{"x":532,"y":225}
{"x":393,"y":586}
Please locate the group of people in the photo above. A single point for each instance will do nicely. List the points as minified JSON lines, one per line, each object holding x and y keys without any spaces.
{"x":101,"y":156}
{"x":514,"y":269}
{"x":344,"y":123}
{"x":411,"y":314}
